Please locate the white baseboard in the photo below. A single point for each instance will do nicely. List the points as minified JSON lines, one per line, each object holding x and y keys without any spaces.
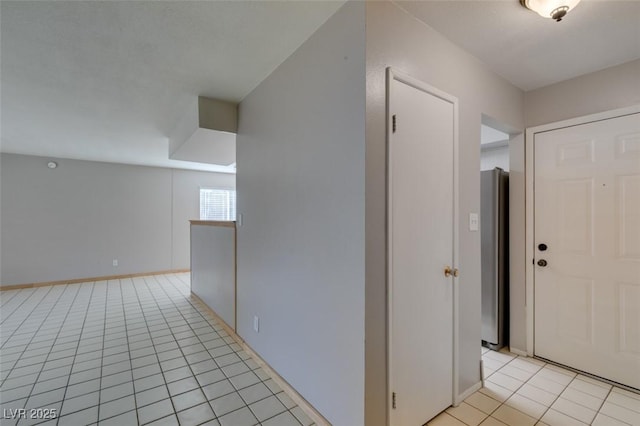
{"x":464,"y":395}
{"x":304,"y":405}
{"x":518,"y":352}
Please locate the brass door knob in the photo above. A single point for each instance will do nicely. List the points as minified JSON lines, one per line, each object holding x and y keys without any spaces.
{"x":448,"y":271}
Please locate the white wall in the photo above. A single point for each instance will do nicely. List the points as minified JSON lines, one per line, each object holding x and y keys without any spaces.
{"x":72,"y":221}
{"x":490,"y":158}
{"x":300,"y":182}
{"x":517,"y":250}
{"x":608,"y":89}
{"x":394,"y":38}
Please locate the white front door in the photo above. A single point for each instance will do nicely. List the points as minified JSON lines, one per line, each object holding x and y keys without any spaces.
{"x":587,"y":247}
{"x":421,"y":244}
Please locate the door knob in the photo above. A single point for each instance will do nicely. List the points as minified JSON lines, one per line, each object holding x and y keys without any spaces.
{"x":449,"y":271}
{"x":542,"y":263}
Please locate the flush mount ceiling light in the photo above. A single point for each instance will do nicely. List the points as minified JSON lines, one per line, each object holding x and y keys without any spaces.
{"x":52,"y":164}
{"x":554,"y":9}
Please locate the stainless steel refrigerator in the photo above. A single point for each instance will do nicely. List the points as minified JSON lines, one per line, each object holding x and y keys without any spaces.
{"x":494,"y":230}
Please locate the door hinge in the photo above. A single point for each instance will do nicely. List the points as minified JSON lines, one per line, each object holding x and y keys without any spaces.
{"x":393,"y":123}
{"x":393,"y":400}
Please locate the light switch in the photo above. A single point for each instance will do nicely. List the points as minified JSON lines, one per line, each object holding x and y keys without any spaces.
{"x":473,"y":221}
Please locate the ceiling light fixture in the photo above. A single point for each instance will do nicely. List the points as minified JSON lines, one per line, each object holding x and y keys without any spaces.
{"x":52,"y":164}
{"x":554,"y":9}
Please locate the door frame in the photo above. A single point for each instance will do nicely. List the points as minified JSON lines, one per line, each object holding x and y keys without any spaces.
{"x":394,"y":74}
{"x":529,"y":143}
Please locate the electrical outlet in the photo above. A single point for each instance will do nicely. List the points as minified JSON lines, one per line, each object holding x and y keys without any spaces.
{"x":115,"y":262}
{"x":256,"y":324}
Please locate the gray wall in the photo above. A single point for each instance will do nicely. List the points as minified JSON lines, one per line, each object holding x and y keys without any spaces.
{"x":396,"y":39}
{"x":301,"y":157}
{"x":213,"y":268}
{"x":71,"y":222}
{"x":608,"y":89}
{"x":517,"y":252}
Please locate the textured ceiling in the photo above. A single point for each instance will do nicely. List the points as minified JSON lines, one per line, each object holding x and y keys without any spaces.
{"x":109,"y":80}
{"x":531,"y":51}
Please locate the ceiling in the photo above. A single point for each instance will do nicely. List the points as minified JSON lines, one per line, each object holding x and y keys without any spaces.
{"x":531,"y":51}
{"x":110,"y":80}
{"x":490,"y":137}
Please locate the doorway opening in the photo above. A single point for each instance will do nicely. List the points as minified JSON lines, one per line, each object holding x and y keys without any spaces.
{"x":494,"y":148}
{"x":494,"y":234}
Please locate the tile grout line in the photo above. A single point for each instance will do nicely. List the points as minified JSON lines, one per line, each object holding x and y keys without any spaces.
{"x":520,"y":387}
{"x":104,"y":329}
{"x":90,"y":301}
{"x":16,"y":308}
{"x":2,"y":303}
{"x":181,"y":351}
{"x":183,"y":355}
{"x":107,"y":284}
{"x":124,"y":316}
{"x":553,"y":402}
{"x":22,"y":352}
{"x":261,"y":381}
{"x":246,"y":405}
{"x":69,"y":309}
{"x":23,"y":321}
{"x":180,"y":348}
{"x":229,"y":377}
{"x":126,"y":325}
{"x":144,"y":318}
{"x":52,"y":340}
{"x":549,"y":406}
{"x":602,"y":405}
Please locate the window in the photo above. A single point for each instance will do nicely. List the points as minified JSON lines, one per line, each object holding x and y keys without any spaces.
{"x":217,"y":204}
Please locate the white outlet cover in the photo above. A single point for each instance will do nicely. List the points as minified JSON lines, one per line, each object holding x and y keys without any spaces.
{"x":473,"y":222}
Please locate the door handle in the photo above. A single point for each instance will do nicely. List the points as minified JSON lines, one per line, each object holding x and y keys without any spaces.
{"x":542,"y":263}
{"x":448,"y":271}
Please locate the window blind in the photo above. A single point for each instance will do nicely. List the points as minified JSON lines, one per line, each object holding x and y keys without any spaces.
{"x":217,"y":204}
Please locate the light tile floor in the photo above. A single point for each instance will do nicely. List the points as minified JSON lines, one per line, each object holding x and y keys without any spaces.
{"x":521,"y":391}
{"x":127,"y":352}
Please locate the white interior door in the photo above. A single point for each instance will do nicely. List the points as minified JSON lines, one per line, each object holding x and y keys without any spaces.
{"x":587,"y":213}
{"x":421,"y":244}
